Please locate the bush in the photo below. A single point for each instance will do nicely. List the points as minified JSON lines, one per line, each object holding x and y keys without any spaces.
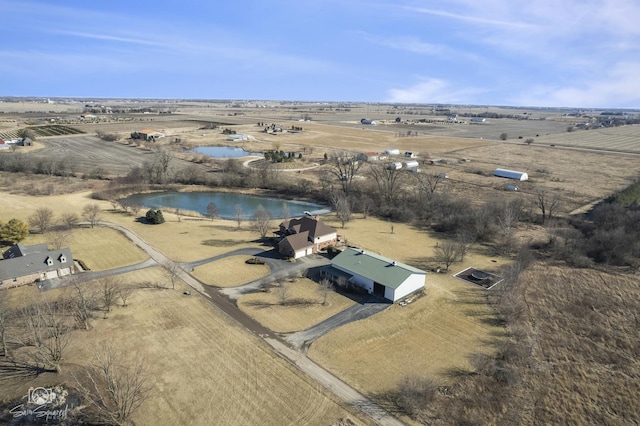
{"x":154,"y":217}
{"x":254,"y":261}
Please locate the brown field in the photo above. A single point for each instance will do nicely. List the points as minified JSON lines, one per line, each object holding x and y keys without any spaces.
{"x":209,"y":370}
{"x":432,"y":336}
{"x":229,"y":272}
{"x":205,"y":369}
{"x":303,"y":307}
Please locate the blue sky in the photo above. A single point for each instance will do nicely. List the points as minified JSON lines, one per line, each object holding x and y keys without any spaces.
{"x":570,"y":53}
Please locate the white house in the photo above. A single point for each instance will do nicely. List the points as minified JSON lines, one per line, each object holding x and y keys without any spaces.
{"x":511,"y":174}
{"x":377,"y":274}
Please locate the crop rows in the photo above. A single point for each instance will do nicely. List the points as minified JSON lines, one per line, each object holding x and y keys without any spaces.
{"x":55,"y":130}
{"x":626,"y":139}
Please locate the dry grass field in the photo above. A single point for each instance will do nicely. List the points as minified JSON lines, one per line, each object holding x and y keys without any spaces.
{"x":303,"y":307}
{"x":230,"y":271}
{"x":204,"y":368}
{"x":208,"y":370}
{"x":433,"y":336}
{"x":585,"y":359}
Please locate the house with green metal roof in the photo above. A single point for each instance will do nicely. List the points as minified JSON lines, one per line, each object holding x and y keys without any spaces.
{"x":377,"y":274}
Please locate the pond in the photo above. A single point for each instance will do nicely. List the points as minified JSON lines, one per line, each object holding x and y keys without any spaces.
{"x":224,"y":152}
{"x":226,"y":203}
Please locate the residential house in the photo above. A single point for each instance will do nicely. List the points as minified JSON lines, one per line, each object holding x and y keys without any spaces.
{"x":23,"y":264}
{"x":304,"y":236}
{"x":376,"y":274}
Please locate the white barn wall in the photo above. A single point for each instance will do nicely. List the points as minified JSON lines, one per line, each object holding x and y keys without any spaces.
{"x":414,"y":283}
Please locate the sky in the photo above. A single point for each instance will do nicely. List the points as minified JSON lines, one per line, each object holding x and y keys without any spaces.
{"x":542,"y":53}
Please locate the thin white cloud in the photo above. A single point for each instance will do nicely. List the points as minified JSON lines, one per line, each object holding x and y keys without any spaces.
{"x":108,"y":37}
{"x":619,"y":88}
{"x":477,"y":19}
{"x":434,"y":90}
{"x":416,"y":45}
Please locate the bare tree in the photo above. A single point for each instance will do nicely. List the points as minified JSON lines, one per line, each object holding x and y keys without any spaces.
{"x":48,"y":331}
{"x":135,"y":208}
{"x":342,"y":205}
{"x":41,"y":219}
{"x":59,"y":238}
{"x":212,"y":210}
{"x":69,"y":219}
{"x":238,"y":215}
{"x":427,"y":184}
{"x":366,"y":204}
{"x":508,"y":218}
{"x":324,"y":287}
{"x":345,"y":166}
{"x":4,"y":326}
{"x":125,"y":293}
{"x":262,"y":221}
{"x":547,"y":202}
{"x":161,"y":162}
{"x":447,"y":253}
{"x":82,"y":302}
{"x":92,"y":214}
{"x":387,"y":179}
{"x":172,"y":271}
{"x":115,"y":386}
{"x":465,"y":240}
{"x":283,"y":291}
{"x":109,"y":289}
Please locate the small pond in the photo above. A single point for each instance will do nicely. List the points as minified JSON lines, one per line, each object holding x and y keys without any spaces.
{"x":224,"y":152}
{"x":226,"y":203}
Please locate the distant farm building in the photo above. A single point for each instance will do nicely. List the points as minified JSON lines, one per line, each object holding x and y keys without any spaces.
{"x":376,"y":274}
{"x":368,"y":122}
{"x":395,"y":166}
{"x":238,"y":137}
{"x":412,"y":164}
{"x":478,"y":120}
{"x":392,"y":151}
{"x":511,"y":174}
{"x":150,"y":134}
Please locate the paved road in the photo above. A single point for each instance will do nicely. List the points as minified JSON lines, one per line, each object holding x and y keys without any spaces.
{"x":279,"y":269}
{"x":302,"y":339}
{"x":304,"y":364}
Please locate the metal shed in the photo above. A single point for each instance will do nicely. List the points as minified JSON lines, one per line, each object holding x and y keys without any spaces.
{"x":511,"y":174}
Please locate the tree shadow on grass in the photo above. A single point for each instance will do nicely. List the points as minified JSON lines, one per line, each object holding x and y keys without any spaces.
{"x":12,"y":370}
{"x":288,"y":302}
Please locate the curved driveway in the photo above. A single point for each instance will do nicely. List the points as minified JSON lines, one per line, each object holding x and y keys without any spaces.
{"x":339,"y":388}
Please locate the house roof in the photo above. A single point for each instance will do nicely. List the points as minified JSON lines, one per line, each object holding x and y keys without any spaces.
{"x":309,"y":224}
{"x":34,"y":261}
{"x":19,"y":249}
{"x":297,"y":241}
{"x":375,"y":267}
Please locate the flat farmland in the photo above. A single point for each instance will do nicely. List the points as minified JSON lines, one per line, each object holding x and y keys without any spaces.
{"x":623,"y":139}
{"x":88,"y":153}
